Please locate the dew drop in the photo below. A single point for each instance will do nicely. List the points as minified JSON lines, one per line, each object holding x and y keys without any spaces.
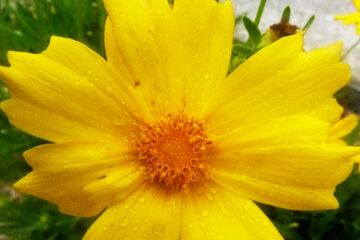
{"x":4,"y":131}
{"x":125,"y":222}
{"x":213,"y":191}
{"x":142,"y":200}
{"x":108,"y":87}
{"x":206,"y":75}
{"x":205,"y":213}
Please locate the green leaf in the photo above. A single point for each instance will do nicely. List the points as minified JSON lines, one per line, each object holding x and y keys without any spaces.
{"x":286,"y":14}
{"x":242,"y":49}
{"x":252,"y":29}
{"x":309,"y":23}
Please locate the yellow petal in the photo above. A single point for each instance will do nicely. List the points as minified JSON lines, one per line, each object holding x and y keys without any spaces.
{"x":357,"y":4}
{"x":275,"y":82}
{"x":207,"y":29}
{"x":356,"y":159}
{"x":171,"y":53}
{"x":284,"y":196}
{"x":288,"y":150}
{"x":349,"y":19}
{"x":314,"y":166}
{"x":150,"y":213}
{"x":113,"y":53}
{"x":285,"y":162}
{"x":292,"y":129}
{"x":75,"y":95}
{"x":81,"y":178}
{"x":343,"y":127}
{"x":358,"y":28}
{"x":214,"y":214}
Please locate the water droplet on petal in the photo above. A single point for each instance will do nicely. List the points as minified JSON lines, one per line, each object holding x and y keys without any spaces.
{"x":108,"y":87}
{"x":207,"y":75}
{"x":205,"y":213}
{"x":125,"y":222}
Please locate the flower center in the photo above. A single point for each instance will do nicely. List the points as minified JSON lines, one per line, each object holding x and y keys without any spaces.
{"x":174,"y":151}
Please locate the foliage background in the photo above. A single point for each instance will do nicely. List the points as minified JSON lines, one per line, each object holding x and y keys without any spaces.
{"x":26,"y":25}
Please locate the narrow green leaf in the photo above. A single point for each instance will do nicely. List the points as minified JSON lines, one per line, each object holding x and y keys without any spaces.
{"x":242,"y":49}
{"x":286,"y":14}
{"x":309,"y":23}
{"x":254,"y":32}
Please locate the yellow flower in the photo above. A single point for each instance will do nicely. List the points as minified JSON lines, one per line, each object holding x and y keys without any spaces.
{"x":165,"y":141}
{"x":352,"y":18}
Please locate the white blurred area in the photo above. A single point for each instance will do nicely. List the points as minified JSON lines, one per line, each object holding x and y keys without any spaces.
{"x":324,"y":31}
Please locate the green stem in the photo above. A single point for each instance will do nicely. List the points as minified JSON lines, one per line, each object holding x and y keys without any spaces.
{"x":259,"y":12}
{"x":350,"y":49}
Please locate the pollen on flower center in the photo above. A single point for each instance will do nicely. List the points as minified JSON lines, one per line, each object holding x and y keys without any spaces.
{"x":174,"y":151}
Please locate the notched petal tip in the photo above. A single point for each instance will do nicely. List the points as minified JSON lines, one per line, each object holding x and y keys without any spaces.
{"x":334,"y":204}
{"x":336,"y":49}
{"x":5,"y":71}
{"x":346,"y":71}
{"x":22,"y":184}
{"x":14,"y":56}
{"x":355,"y":159}
{"x":30,"y":155}
{"x":4,"y":104}
{"x":343,"y":127}
{"x":295,"y":41}
{"x":56,"y":42}
{"x":7,"y":107}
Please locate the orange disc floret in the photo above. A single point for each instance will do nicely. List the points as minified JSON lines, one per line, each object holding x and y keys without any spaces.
{"x":174,"y":150}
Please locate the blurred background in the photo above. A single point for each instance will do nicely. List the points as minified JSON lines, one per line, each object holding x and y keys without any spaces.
{"x":26,"y":25}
